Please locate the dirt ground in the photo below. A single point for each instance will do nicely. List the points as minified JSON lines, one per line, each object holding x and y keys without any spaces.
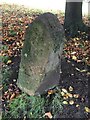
{"x":70,"y":76}
{"x":79,"y":81}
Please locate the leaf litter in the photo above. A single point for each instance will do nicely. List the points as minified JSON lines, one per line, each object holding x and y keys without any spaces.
{"x":14,"y":23}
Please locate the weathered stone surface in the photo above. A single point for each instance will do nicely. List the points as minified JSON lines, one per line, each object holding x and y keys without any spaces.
{"x":40,"y":58}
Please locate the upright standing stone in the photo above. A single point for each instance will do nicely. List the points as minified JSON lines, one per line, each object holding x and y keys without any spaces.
{"x":40,"y":58}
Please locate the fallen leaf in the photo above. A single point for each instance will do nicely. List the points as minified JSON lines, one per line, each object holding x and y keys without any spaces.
{"x":50,"y":92}
{"x":14,"y":80}
{"x":12,"y":96}
{"x":1,"y":88}
{"x":64,"y":90}
{"x":49,"y":115}
{"x":74,"y":57}
{"x":79,"y":61}
{"x":71,"y":102}
{"x":6,"y":93}
{"x":77,"y":105}
{"x":62,"y":93}
{"x":87,"y":109}
{"x":70,"y":95}
{"x":73,"y":53}
{"x":65,"y":97}
{"x":83,"y":70}
{"x":77,"y":69}
{"x":9,"y":61}
{"x":88,"y":73}
{"x":70,"y":88}
{"x":65,"y":102}
{"x":76,"y":95}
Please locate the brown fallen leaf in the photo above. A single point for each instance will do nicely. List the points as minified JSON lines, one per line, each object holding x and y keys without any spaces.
{"x":50,"y":92}
{"x":49,"y":115}
{"x":70,"y":95}
{"x":12,"y":96}
{"x":79,"y":61}
{"x":65,"y":97}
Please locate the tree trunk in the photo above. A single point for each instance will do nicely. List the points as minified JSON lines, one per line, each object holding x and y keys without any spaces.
{"x":73,"y":17}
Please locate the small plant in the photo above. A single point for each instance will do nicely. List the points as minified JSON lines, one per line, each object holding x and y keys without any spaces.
{"x":56,"y":104}
{"x":4,"y":58}
{"x":6,"y":73}
{"x":12,"y":33}
{"x":26,"y":106}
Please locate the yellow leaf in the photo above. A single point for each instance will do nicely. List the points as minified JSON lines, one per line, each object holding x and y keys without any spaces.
{"x":9,"y":61}
{"x":83,"y":70}
{"x":70,"y":95}
{"x":87,"y":109}
{"x":50,"y":92}
{"x":88,"y":73}
{"x":49,"y":115}
{"x":70,"y":88}
{"x":1,"y":88}
{"x":14,"y":80}
{"x":65,"y":97}
{"x":74,"y":57}
{"x":77,"y":38}
{"x":76,"y":95}
{"x":77,"y":105}
{"x":65,"y":102}
{"x":64,"y":90}
{"x":62,"y":93}
{"x":71,"y":102}
{"x":17,"y":43}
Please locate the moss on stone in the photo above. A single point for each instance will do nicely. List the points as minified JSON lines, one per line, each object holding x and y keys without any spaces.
{"x":42,"y":38}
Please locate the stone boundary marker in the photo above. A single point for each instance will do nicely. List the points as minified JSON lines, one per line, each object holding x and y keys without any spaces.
{"x":41,"y":55}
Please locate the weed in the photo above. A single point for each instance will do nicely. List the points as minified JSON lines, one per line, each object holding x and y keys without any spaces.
{"x":26,"y":106}
{"x":56,"y":104}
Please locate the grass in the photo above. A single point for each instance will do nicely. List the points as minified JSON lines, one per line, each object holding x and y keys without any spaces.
{"x":25,"y":106}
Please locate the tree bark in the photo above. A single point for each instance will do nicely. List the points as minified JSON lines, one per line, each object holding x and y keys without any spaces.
{"x":73,"y":17}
